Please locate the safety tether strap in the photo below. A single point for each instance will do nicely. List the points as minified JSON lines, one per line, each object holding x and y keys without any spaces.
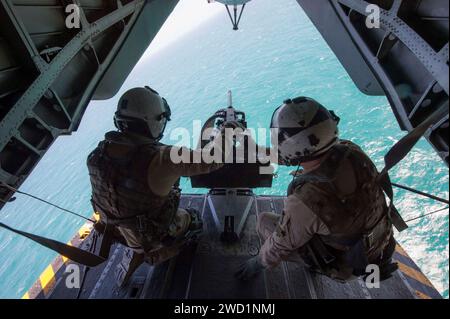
{"x":398,"y":152}
{"x":73,"y":253}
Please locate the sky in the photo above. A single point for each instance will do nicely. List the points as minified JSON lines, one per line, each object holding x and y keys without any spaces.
{"x":186,"y":17}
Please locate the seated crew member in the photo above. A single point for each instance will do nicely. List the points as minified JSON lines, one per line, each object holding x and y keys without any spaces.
{"x":133,"y":181}
{"x":335,"y":218}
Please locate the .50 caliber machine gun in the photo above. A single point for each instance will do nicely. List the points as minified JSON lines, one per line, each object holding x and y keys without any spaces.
{"x":242,"y":173}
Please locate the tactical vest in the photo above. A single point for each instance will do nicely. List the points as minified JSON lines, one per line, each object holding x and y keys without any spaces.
{"x":120,"y":190}
{"x":359,"y":223}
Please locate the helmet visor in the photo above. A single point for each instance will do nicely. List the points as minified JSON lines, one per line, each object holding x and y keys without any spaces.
{"x":167,"y":112}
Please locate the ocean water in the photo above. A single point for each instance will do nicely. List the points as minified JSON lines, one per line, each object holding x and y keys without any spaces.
{"x":277,"y":54}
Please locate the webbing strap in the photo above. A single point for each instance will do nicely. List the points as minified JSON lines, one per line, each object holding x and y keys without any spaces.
{"x":73,"y":253}
{"x":397,"y":153}
{"x":404,"y":146}
{"x":397,"y":220}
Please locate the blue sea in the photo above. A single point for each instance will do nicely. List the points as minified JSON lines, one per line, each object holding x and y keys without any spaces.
{"x":277,"y":54}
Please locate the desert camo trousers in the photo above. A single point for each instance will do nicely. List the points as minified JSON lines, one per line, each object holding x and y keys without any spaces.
{"x":266,"y":226}
{"x":161,"y":253}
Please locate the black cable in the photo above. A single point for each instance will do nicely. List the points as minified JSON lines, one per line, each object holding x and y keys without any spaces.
{"x":46,"y":202}
{"x":296,"y":172}
{"x":229,"y":14}
{"x":240,"y":15}
{"x":415,"y":191}
{"x":422,"y":216}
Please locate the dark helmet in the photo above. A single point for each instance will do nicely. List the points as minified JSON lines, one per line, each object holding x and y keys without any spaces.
{"x":143,"y":111}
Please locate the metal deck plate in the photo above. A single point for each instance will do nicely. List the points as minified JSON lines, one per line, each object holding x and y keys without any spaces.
{"x":206,"y":270}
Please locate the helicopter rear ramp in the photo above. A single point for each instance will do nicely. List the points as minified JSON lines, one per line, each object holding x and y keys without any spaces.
{"x":206,"y":270}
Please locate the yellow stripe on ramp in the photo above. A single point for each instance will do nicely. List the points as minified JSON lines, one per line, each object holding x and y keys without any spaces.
{"x":84,"y":232}
{"x":47,"y":276}
{"x":401,"y":251}
{"x":421,"y":295}
{"x":43,"y":284}
{"x":64,"y":258}
{"x":417,"y":275}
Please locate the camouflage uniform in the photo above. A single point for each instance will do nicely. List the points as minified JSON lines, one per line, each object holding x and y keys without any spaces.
{"x":336,"y":201}
{"x":134,"y":176}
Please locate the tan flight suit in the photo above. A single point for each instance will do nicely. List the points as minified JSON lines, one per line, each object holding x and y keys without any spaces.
{"x":339,"y":201}
{"x":162,"y":174}
{"x":284,"y":235}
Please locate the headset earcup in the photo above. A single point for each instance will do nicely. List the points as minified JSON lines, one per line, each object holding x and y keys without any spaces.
{"x":116,"y":122}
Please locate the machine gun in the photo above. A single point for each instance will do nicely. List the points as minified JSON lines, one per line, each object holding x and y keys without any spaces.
{"x":235,"y":175}
{"x":230,"y":198}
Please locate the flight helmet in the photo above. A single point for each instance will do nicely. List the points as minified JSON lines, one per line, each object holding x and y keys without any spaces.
{"x":143,"y":111}
{"x":306,"y":130}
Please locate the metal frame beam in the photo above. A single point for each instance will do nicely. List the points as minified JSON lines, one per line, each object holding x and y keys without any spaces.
{"x":433,"y":61}
{"x":22,"y":109}
{"x":397,"y":32}
{"x":48,"y":72}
